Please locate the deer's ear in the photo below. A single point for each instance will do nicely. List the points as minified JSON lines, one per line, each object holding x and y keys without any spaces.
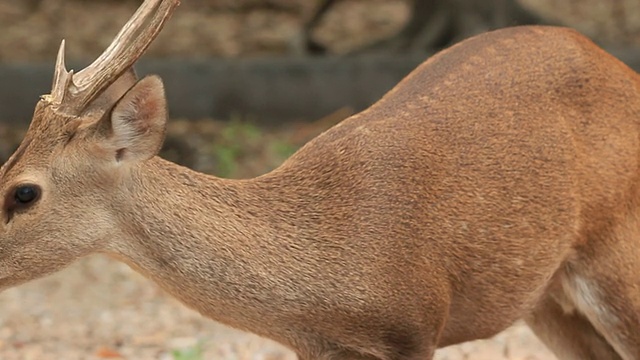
{"x":138,"y":121}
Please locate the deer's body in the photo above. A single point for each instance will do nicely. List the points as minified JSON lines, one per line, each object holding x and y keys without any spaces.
{"x":498,"y":181}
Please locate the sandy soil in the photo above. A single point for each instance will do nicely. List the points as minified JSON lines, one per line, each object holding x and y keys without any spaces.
{"x":99,"y":308}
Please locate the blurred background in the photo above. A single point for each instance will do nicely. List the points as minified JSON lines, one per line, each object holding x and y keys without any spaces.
{"x":248,"y":82}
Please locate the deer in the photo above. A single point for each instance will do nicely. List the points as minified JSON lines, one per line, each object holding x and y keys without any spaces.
{"x":498,"y":181}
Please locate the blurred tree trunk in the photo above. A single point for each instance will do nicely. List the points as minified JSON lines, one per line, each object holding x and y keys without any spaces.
{"x":434,"y":24}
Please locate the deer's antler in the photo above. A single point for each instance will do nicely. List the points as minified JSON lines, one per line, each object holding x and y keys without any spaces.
{"x":71,"y":93}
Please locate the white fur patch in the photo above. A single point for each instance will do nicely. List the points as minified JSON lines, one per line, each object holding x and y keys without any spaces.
{"x":587,"y":298}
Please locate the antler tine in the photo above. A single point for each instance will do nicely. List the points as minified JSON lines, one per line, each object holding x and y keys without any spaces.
{"x":73,"y":93}
{"x":61,"y":77}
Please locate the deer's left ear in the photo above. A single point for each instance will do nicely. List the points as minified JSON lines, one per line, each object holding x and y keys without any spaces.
{"x":138,"y":121}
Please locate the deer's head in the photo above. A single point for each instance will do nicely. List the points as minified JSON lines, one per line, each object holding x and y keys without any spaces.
{"x":84,"y":141}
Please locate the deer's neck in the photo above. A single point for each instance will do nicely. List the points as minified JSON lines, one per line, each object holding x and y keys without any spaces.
{"x":213,"y":243}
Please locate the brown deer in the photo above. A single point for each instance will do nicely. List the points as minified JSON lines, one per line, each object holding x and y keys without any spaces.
{"x":498,"y":181}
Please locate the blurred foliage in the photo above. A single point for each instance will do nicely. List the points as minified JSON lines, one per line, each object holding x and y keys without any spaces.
{"x":190,"y":353}
{"x":236,"y":141}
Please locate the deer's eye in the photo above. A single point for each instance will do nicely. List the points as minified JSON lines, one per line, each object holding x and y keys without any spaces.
{"x":26,"y":194}
{"x":20,"y":198}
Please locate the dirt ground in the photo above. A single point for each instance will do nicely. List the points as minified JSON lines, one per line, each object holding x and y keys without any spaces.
{"x":99,"y":308}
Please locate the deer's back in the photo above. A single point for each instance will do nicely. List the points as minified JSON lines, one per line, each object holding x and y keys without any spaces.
{"x":522,"y":115}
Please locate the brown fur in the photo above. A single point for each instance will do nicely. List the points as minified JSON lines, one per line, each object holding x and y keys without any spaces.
{"x":498,"y":181}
